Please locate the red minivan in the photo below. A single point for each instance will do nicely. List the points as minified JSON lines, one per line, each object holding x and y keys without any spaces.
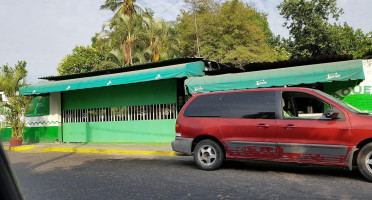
{"x":297,"y":125}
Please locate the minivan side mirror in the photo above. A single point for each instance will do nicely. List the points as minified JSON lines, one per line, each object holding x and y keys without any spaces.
{"x":332,"y":114}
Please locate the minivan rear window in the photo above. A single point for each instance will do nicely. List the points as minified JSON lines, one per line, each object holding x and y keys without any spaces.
{"x":204,"y":106}
{"x":250,"y":105}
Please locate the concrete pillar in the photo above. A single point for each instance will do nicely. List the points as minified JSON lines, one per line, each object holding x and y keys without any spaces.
{"x":55,"y":107}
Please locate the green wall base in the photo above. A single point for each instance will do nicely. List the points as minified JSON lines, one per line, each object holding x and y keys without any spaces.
{"x":152,"y":131}
{"x":5,"y":134}
{"x":34,"y":134}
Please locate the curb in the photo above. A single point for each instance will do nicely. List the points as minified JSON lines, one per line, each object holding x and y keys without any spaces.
{"x":21,"y":148}
{"x":108,"y":151}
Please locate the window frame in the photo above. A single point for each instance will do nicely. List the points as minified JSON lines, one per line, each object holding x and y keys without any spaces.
{"x":203,"y":96}
{"x":341,"y":115}
{"x":275,"y":110}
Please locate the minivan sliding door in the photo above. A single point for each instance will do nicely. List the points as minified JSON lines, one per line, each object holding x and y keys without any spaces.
{"x":248,"y":124}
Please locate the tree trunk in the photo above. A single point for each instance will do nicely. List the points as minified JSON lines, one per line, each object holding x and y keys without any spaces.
{"x":194,"y":6}
{"x":126,"y":54}
{"x":197,"y":34}
{"x":156,"y":56}
{"x":130,"y":54}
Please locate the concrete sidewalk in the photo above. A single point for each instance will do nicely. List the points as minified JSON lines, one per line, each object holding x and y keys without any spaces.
{"x":134,"y":149}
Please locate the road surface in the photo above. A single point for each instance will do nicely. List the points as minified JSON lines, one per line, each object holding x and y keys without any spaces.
{"x":102,"y":176}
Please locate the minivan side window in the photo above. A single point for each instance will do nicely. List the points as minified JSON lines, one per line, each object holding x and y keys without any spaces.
{"x":249,"y":105}
{"x":298,"y":105}
{"x":204,"y":106}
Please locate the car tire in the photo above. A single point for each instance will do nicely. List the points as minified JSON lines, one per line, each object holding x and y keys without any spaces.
{"x":364,"y":161}
{"x":208,"y":155}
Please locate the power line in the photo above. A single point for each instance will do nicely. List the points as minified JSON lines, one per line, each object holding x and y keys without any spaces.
{"x":169,"y":7}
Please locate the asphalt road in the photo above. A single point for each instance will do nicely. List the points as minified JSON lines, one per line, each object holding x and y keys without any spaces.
{"x":93,"y":176}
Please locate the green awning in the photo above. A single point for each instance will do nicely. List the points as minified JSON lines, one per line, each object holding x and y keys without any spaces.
{"x":159,"y":73}
{"x":326,"y":72}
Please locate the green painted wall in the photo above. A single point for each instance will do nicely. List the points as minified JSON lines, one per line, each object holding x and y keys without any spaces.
{"x":122,"y":131}
{"x":352,"y":93}
{"x":41,"y":134}
{"x":5,"y":134}
{"x":34,"y":134}
{"x":147,"y":93}
{"x":39,"y":106}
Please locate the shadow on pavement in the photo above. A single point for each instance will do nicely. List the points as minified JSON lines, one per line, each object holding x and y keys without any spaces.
{"x":315,"y":170}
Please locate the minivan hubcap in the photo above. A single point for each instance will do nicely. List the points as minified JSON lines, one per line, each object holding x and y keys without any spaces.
{"x":207,"y":155}
{"x":369,"y":162}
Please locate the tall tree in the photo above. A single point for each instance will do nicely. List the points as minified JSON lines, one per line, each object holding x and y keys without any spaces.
{"x":122,"y":34}
{"x":131,"y":36}
{"x":82,"y":59}
{"x":123,"y":7}
{"x":311,"y":33}
{"x":157,"y":33}
{"x":135,"y":39}
{"x":229,"y":32}
{"x":195,"y":6}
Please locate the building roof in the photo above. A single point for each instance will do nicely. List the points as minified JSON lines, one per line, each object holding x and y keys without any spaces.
{"x":305,"y":74}
{"x":190,"y":69}
{"x":194,"y":68}
{"x":124,"y":69}
{"x":258,"y":66}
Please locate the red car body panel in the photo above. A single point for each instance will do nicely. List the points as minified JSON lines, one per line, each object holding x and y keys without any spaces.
{"x":252,"y":130}
{"x":195,"y":127}
{"x":331,"y":134}
{"x":361,"y":128}
{"x":325,"y":142}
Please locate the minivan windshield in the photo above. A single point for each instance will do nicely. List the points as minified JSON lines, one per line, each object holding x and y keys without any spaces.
{"x":345,"y":105}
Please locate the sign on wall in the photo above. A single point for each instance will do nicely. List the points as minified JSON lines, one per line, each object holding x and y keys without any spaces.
{"x":39,"y":106}
{"x":356,"y":94}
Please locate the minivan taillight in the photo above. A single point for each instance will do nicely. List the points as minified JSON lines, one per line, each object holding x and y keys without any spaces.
{"x":178,"y":130}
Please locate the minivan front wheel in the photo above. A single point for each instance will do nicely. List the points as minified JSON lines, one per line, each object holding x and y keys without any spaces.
{"x":208,"y":155}
{"x":365,"y":161}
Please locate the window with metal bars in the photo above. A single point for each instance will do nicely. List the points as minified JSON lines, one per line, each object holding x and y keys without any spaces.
{"x":122,"y":113}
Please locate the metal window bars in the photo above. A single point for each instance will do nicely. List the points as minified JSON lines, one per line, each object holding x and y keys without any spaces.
{"x":122,"y":113}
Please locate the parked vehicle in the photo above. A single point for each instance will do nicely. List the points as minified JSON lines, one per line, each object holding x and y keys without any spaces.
{"x":296,"y":125}
{"x":9,"y":189}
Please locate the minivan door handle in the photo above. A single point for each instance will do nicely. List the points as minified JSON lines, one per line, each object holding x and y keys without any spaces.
{"x":263,"y":126}
{"x":289,"y":126}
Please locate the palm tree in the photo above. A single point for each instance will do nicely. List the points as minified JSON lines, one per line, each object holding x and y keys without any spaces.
{"x":122,"y":33}
{"x":123,"y":7}
{"x":157,"y":32}
{"x":11,"y":79}
{"x":114,"y":59}
{"x":134,"y":33}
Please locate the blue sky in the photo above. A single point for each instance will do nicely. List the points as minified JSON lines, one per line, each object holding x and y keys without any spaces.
{"x":42,"y":32}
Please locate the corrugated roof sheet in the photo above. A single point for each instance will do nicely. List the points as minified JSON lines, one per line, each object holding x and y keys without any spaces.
{"x":124,"y":69}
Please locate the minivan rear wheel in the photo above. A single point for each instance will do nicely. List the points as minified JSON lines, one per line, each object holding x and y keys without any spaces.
{"x":208,"y":155}
{"x":365,"y":161}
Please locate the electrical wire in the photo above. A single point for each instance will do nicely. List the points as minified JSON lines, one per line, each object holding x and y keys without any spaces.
{"x":174,"y":3}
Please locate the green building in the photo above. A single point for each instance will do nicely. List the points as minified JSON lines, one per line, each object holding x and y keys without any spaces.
{"x":134,"y":104}
{"x":140,"y":104}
